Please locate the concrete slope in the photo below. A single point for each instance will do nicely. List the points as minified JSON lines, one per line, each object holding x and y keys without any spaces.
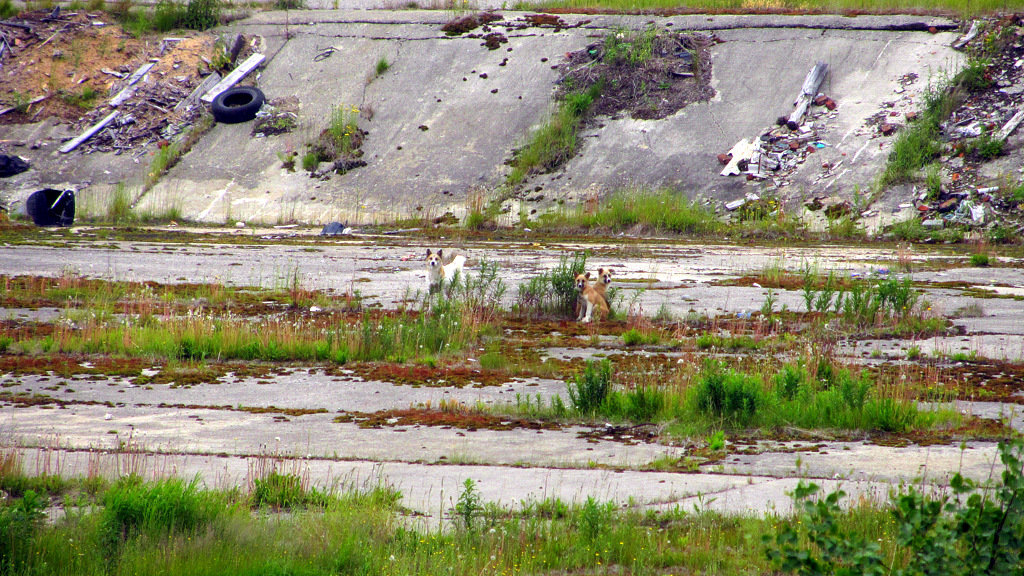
{"x":438,"y":129}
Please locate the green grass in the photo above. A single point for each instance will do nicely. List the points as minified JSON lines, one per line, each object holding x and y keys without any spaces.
{"x":119,"y":206}
{"x":554,"y":143}
{"x":662,"y":210}
{"x":344,"y":128}
{"x":175,"y":528}
{"x":552,"y":292}
{"x":800,"y":394}
{"x":382,"y":65}
{"x":7,"y":9}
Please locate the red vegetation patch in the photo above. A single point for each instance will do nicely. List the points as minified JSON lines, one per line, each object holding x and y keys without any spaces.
{"x":455,"y":376}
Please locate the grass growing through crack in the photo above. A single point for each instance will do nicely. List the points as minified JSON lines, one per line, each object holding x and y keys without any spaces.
{"x":662,"y":210}
{"x":555,"y":142}
{"x":803,"y":394}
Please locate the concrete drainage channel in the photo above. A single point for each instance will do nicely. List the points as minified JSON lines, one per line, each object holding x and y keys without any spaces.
{"x":83,"y":421}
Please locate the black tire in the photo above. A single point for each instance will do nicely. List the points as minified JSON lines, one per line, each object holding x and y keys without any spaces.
{"x":238,"y":104}
{"x":49,"y":207}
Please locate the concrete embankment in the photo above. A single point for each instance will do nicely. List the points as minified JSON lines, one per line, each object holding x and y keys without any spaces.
{"x":446,"y":116}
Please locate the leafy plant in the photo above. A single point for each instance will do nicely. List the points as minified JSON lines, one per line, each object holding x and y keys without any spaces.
{"x":468,"y":506}
{"x":979,"y":259}
{"x":589,"y":390}
{"x":382,"y":65}
{"x":975,"y":530}
{"x":201,"y":14}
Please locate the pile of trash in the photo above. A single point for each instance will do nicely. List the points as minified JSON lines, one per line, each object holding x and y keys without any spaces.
{"x":979,"y":131}
{"x":780,"y":150}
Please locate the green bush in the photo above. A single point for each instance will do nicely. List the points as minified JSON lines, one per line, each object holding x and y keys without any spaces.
{"x":553,"y":291}
{"x":588,"y":392}
{"x":979,"y":259}
{"x":729,"y":395}
{"x":167,"y":15}
{"x":971,"y":531}
{"x":283,"y":491}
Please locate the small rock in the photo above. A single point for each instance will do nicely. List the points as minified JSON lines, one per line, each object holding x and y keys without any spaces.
{"x":932,"y":223}
{"x":887,"y":129}
{"x":948,"y":205}
{"x":724,"y":158}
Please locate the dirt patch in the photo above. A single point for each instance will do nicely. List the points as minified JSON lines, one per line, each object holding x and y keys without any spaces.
{"x":457,"y":376}
{"x":469,"y":22}
{"x":61,"y":59}
{"x":75,"y":63}
{"x":648,"y":74}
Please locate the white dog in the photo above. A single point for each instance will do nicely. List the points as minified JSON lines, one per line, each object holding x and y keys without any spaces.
{"x":439,"y":273}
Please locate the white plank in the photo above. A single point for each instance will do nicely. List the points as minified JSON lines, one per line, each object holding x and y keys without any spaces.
{"x":129,"y":88}
{"x":237,"y":74}
{"x":810,"y":88}
{"x":89,"y":133}
{"x":1010,"y":126}
{"x":741,"y":151}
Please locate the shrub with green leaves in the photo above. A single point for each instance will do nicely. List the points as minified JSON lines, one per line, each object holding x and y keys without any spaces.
{"x":729,"y":395}
{"x":588,"y":391}
{"x":20,"y":519}
{"x":553,"y":291}
{"x":974,"y":530}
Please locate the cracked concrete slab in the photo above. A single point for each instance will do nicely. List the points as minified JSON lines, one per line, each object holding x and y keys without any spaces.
{"x":438,"y":130}
{"x":111,"y":425}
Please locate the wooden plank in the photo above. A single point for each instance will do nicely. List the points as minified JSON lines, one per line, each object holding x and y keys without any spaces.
{"x":1010,"y":126}
{"x":810,"y":88}
{"x":204,"y":87}
{"x":975,"y":29}
{"x":89,"y":133}
{"x":129,"y":88}
{"x":237,"y":74}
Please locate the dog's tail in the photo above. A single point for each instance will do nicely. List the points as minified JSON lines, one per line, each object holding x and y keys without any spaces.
{"x":450,"y":270}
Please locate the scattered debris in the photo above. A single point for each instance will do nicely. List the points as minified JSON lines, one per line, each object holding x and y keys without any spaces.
{"x":72,"y":144}
{"x":277,"y":116}
{"x":780,"y":150}
{"x":978,"y":131}
{"x":336,"y":229}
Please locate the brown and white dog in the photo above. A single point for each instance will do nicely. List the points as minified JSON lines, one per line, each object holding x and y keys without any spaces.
{"x":604,"y":278}
{"x":439,"y":273}
{"x":589,"y":300}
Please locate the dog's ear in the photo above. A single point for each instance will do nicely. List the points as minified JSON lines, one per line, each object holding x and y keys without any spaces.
{"x":600,"y":271}
{"x":428,"y":252}
{"x":587,"y":275}
{"x":439,"y":254}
